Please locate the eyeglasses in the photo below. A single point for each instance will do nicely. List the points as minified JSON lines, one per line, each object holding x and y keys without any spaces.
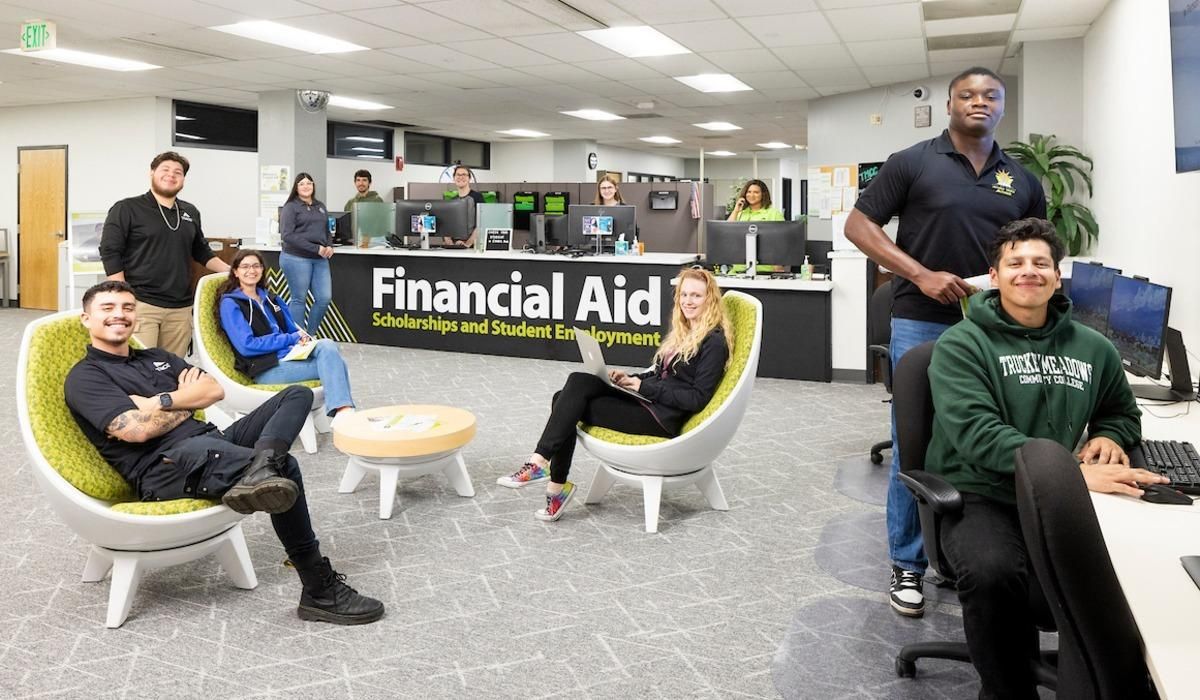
{"x":251,"y":266}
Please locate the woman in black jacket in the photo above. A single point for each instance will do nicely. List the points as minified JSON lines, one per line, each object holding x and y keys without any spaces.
{"x":686,"y":371}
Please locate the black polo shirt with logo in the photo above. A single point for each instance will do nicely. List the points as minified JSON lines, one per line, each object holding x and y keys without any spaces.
{"x":97,"y":390}
{"x":948,"y":214}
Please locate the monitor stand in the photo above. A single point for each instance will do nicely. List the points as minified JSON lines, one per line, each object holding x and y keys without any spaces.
{"x":1181,"y":373}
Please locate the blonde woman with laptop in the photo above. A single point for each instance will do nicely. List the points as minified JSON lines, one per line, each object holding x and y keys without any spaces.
{"x":686,"y":371}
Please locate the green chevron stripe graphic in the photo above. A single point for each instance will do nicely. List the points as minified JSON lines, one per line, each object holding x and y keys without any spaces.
{"x":334,"y":324}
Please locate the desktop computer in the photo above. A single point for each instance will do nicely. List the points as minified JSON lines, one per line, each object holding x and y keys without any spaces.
{"x":777,"y":243}
{"x":1091,"y":293}
{"x":341,"y":232}
{"x":1137,"y":327}
{"x":596,"y":225}
{"x":415,"y":217}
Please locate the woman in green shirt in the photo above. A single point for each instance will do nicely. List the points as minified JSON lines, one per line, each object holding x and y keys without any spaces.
{"x":754,"y":204}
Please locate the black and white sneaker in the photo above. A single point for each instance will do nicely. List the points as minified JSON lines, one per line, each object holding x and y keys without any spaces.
{"x":905,"y":594}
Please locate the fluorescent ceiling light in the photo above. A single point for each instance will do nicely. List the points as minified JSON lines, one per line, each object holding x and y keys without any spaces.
{"x":83,"y":58}
{"x":527,"y":133}
{"x":775,"y":145}
{"x":181,"y":118}
{"x":718,"y":126}
{"x":353,"y":103}
{"x":659,"y":139}
{"x":713,"y":82}
{"x":369,"y":155}
{"x":190,"y":137}
{"x":367,"y":139}
{"x":368,"y":149}
{"x":595,"y":115}
{"x":635,"y":42}
{"x":720,"y":153}
{"x":292,"y":38}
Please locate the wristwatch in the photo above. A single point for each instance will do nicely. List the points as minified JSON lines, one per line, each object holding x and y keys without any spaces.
{"x":164,"y":400}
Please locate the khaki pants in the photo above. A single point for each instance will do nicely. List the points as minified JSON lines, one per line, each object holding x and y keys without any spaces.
{"x":169,"y":329}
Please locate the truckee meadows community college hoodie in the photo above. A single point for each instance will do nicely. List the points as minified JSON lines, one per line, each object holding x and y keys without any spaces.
{"x":997,"y":384}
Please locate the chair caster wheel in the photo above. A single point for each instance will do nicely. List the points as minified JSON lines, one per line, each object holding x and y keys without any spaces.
{"x":905,"y":669}
{"x":876,"y":458}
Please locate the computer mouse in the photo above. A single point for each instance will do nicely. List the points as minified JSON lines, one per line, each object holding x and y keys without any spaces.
{"x":1162,"y":493}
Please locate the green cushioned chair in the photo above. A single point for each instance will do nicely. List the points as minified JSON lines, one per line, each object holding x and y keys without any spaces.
{"x":126,"y":535}
{"x":653,"y":462}
{"x":214,"y":355}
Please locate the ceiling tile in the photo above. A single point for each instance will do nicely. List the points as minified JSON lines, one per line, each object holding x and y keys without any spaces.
{"x":1049,"y":33}
{"x":339,"y":5}
{"x":741,"y":8}
{"x":886,"y":75}
{"x":189,"y":11}
{"x":502,"y":52}
{"x":792,"y":93}
{"x":1039,"y":14}
{"x":801,"y":29}
{"x":958,"y":9}
{"x":663,"y":11}
{"x":659,"y":86}
{"x":508,"y":76}
{"x":888,"y":52}
{"x":498,"y":18}
{"x":823,"y":77}
{"x":699,"y":36}
{"x":443,"y":57}
{"x":353,"y":30}
{"x":827,"y":90}
{"x":748,"y":60}
{"x":970,"y":25}
{"x":772,"y":79}
{"x":874,"y":23}
{"x":839,"y":4}
{"x":419,"y":23}
{"x":823,"y":56}
{"x":620,"y":69}
{"x":267,"y":9}
{"x":685,"y":64}
{"x":458,"y":79}
{"x":566,"y":46}
{"x":560,"y":73}
{"x":987,"y":56}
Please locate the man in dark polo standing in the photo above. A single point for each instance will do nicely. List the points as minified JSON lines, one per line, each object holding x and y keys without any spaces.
{"x":149,"y":241}
{"x":952,"y":194}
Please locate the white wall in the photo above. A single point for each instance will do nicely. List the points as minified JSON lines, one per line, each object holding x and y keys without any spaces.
{"x":625,"y":161}
{"x":1051,"y":88}
{"x":1146,"y":211}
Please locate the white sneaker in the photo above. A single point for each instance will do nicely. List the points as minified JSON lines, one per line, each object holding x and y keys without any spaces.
{"x":905,"y":593}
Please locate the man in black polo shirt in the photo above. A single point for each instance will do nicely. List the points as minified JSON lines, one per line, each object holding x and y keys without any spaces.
{"x":149,"y":241}
{"x":952,"y":194}
{"x":136,"y":407}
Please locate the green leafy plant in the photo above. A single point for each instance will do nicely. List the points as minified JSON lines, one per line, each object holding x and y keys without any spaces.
{"x":1058,"y":166}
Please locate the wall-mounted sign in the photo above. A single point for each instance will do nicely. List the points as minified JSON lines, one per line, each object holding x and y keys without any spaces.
{"x":593,"y":161}
{"x":922,"y":116}
{"x":498,"y":239}
{"x":38,"y":35}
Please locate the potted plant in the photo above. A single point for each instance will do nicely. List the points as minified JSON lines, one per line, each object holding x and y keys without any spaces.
{"x":1057,"y":166}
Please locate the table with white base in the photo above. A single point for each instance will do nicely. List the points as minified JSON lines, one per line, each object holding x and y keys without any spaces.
{"x":404,"y":441}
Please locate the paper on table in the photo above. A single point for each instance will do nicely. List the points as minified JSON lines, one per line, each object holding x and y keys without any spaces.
{"x":300,"y":351}
{"x":412,"y":422}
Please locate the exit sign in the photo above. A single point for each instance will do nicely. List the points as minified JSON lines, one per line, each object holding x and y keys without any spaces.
{"x":38,"y":35}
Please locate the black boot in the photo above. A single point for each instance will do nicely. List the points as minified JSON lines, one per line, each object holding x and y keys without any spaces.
{"x":326,"y":597}
{"x":262,"y":487}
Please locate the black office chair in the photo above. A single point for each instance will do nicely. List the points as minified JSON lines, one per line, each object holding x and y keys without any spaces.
{"x":936,"y":499}
{"x":1100,"y":649}
{"x":879,"y":329}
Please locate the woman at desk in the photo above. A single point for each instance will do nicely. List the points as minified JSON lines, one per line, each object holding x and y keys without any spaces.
{"x":462,"y":182}
{"x":263,"y":334}
{"x":608,"y":193}
{"x":686,"y":371}
{"x":754,"y":204}
{"x":304,"y":229}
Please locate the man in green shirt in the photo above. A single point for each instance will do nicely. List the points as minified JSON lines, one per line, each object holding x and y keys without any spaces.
{"x":364,"y":193}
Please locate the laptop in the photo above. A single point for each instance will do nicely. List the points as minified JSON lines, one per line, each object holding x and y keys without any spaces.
{"x":593,"y":361}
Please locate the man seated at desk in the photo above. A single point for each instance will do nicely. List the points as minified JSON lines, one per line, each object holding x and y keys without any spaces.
{"x":1019,"y":368}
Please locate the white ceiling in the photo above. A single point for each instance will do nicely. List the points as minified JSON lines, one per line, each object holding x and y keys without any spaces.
{"x":470,"y":67}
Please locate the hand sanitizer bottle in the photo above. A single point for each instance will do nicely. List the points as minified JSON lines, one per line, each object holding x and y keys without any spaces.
{"x":806,"y":270}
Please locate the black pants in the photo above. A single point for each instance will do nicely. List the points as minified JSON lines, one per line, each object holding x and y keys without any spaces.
{"x":206,"y":466}
{"x":987,"y":550}
{"x":587,"y":398}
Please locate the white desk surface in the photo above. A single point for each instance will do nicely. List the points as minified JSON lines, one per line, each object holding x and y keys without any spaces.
{"x":765,"y":282}
{"x":1145,"y":541}
{"x":647,"y":259}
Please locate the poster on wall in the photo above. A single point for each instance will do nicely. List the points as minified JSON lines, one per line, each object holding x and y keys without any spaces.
{"x":1185,"y":70}
{"x":832,"y":190}
{"x":274,"y":178}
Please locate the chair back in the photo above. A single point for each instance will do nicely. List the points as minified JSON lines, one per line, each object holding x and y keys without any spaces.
{"x":1100,"y":649}
{"x":213,"y":351}
{"x":879,"y":328}
{"x":913,"y":404}
{"x":732,"y":394}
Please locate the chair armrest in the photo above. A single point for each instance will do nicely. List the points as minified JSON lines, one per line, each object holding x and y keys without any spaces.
{"x":934,"y":491}
{"x":880,"y":350}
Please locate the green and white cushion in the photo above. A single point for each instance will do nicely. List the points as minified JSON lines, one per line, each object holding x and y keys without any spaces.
{"x":741,"y":316}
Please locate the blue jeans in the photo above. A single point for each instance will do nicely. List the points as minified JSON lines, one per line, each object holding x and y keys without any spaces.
{"x":303,"y":275}
{"x":325,"y":363}
{"x":903,"y":526}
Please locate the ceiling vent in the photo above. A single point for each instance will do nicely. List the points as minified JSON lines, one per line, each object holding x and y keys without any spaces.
{"x":642,"y":115}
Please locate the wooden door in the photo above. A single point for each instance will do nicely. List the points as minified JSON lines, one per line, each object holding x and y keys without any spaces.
{"x":42,"y":223}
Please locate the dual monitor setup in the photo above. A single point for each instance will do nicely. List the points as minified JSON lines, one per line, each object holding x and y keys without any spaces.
{"x":736,"y":243}
{"x":1132,"y":313}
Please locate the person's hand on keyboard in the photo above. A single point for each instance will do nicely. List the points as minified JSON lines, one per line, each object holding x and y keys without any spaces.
{"x":1102,"y":450}
{"x":1118,"y":478}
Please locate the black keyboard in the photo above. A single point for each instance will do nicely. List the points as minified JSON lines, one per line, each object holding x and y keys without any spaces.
{"x":1175,"y":460}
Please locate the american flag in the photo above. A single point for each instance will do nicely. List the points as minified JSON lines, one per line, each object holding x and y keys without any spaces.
{"x":695,"y":203}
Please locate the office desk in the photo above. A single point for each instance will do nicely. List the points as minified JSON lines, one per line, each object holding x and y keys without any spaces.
{"x":796,"y":326}
{"x":1164,"y":601}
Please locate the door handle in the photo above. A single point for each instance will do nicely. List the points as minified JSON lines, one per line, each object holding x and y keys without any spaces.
{"x":59,"y":235}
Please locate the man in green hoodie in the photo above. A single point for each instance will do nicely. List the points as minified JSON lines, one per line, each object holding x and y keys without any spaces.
{"x":1019,"y":368}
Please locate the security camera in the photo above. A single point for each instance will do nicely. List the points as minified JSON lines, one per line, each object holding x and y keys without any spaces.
{"x":920,"y":92}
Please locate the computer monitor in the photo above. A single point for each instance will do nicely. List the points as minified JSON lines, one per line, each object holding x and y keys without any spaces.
{"x":782,"y":243}
{"x":1091,"y":293}
{"x":449,"y":218}
{"x":524,"y":204}
{"x":1137,"y":323}
{"x":342,"y":232}
{"x":588,"y":221}
{"x":725,"y":243}
{"x":556,"y":203}
{"x":556,"y":230}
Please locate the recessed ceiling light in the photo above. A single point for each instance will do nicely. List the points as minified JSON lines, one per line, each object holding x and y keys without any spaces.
{"x":720,"y":153}
{"x":367,"y":149}
{"x":527,"y":133}
{"x":595,"y":115}
{"x":353,"y":103}
{"x":718,"y":126}
{"x":367,"y":139}
{"x":713,"y":82}
{"x":659,"y":139}
{"x":83,"y":58}
{"x":775,"y":145}
{"x":189,"y":137}
{"x":181,"y":118}
{"x":292,"y":38}
{"x":635,"y":42}
{"x":369,"y":155}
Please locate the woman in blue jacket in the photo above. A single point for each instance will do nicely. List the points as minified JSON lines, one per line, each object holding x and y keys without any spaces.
{"x":261,"y":330}
{"x":307,"y":247}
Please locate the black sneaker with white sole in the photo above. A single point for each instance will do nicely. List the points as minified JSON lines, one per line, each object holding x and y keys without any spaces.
{"x":905,"y":594}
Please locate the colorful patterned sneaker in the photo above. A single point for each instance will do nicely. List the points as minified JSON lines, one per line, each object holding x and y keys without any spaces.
{"x":905,"y":593}
{"x":556,"y":504}
{"x":528,"y":474}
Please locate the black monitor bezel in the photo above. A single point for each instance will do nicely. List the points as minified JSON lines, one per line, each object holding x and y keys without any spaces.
{"x":730,"y":230}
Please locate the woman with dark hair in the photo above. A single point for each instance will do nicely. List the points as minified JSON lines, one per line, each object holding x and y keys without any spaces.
{"x":754,"y":204}
{"x":687,"y":369}
{"x":608,"y":193}
{"x":304,"y":228}
{"x":262,"y":332}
